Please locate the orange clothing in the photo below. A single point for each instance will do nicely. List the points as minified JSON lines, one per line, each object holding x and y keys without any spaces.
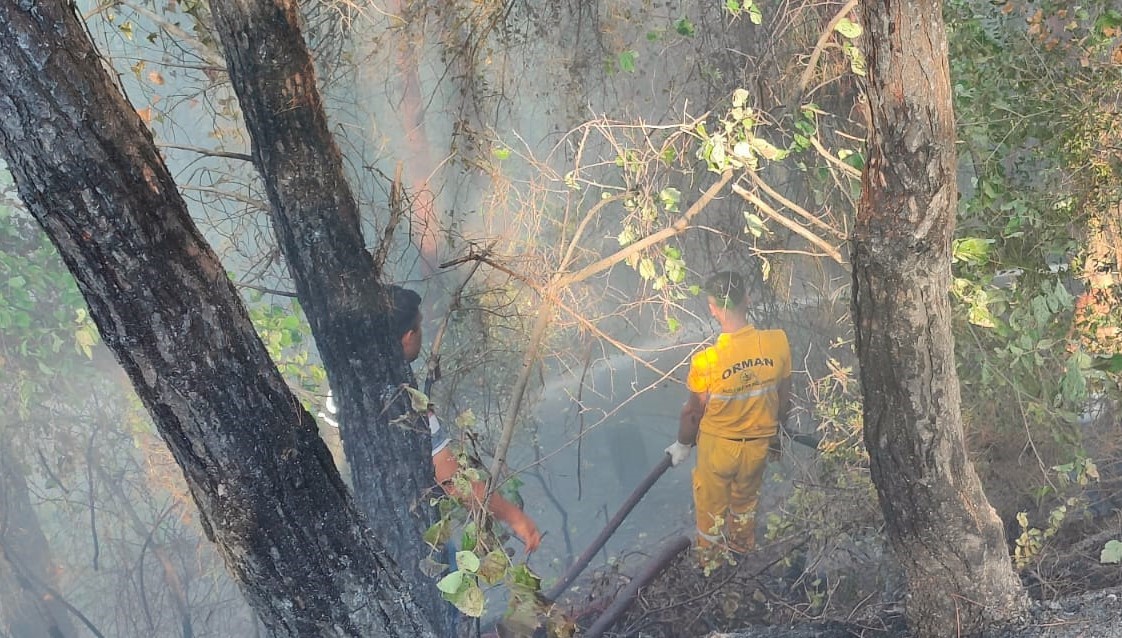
{"x":726,"y":488}
{"x":741,"y":374}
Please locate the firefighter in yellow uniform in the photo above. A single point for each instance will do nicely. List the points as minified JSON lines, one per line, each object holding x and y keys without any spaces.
{"x":740,"y":389}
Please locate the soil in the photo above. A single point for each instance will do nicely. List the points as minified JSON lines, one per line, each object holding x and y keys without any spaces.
{"x":771,"y":593}
{"x":1096,"y":614}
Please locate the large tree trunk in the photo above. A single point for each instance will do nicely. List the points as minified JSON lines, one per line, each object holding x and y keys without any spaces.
{"x":941,"y":527}
{"x":316,"y":220}
{"x":29,"y":606}
{"x":267,"y":491}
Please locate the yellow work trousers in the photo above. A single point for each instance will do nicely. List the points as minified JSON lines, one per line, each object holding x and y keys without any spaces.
{"x":726,"y":487}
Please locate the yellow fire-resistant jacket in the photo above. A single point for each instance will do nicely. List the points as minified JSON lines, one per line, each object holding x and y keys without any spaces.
{"x":741,"y":373}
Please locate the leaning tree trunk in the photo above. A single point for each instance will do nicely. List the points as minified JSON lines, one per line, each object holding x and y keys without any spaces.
{"x":940,"y":525}
{"x":267,"y":492}
{"x":29,"y":605}
{"x":316,"y":220}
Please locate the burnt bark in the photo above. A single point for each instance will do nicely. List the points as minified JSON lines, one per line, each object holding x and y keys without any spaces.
{"x":939,"y":522}
{"x":267,"y":492}
{"x":316,"y":220}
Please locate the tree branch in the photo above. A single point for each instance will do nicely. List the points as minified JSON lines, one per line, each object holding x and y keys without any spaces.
{"x":790,"y":225}
{"x":208,"y":152}
{"x":805,"y":214}
{"x":269,"y":291}
{"x":833,"y":159}
{"x":666,"y":233}
{"x":821,"y":44}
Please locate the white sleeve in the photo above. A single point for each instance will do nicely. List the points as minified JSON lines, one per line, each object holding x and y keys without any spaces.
{"x":440,"y":440}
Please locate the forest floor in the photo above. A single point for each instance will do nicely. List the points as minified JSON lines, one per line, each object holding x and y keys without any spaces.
{"x":822,"y":568}
{"x":771,"y":593}
{"x":1096,"y":614}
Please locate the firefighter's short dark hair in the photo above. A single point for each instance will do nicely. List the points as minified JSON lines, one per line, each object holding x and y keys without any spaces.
{"x":405,"y":310}
{"x":727,"y":289}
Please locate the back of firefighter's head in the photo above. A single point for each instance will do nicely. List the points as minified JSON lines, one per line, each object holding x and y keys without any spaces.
{"x":405,"y":320}
{"x":727,"y":294}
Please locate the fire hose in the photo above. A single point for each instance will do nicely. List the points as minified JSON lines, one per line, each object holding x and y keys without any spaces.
{"x":582,"y":561}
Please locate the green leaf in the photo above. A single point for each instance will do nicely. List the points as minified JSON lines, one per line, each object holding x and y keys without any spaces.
{"x":494,"y":566}
{"x":979,"y":313}
{"x":469,"y":539}
{"x":856,"y":59}
{"x":1111,"y":364}
{"x":1073,"y":385}
{"x":755,"y":14}
{"x":84,"y":338}
{"x":684,"y":27}
{"x":669,"y":197}
{"x":523,"y":616}
{"x":627,"y":61}
{"x":740,"y":98}
{"x":571,"y":181}
{"x":766,"y":149}
{"x":467,"y":561}
{"x":647,"y":268}
{"x":756,"y":225}
{"x":1112,"y":552}
{"x":500,"y":153}
{"x":510,"y":491}
{"x":732,"y":6}
{"x":673,"y":324}
{"x":972,"y":250}
{"x":1109,"y":21}
{"x":466,"y":419}
{"x":419,"y":400}
{"x":525,"y":578}
{"x":451,"y":583}
{"x":626,"y":236}
{"x":470,"y":601}
{"x":675,"y":271}
{"x":439,"y":533}
{"x":848,"y":28}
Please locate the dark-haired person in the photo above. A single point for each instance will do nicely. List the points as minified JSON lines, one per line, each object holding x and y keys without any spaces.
{"x":405,"y":320}
{"x":740,"y":389}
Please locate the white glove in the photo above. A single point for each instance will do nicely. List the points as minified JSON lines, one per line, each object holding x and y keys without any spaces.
{"x":330,"y":404}
{"x":678,"y":452}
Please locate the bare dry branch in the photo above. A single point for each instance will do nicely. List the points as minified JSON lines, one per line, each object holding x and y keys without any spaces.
{"x":790,"y":225}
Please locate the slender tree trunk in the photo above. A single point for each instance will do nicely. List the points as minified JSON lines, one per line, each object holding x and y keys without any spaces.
{"x":419,"y":169}
{"x":267,"y":492}
{"x":316,"y":220}
{"x":28,"y":609}
{"x":940,"y":525}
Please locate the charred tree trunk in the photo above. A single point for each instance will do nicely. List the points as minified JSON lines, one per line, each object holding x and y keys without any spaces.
{"x":940,"y":525}
{"x":316,"y":220}
{"x":28,"y":606}
{"x":267,"y":492}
